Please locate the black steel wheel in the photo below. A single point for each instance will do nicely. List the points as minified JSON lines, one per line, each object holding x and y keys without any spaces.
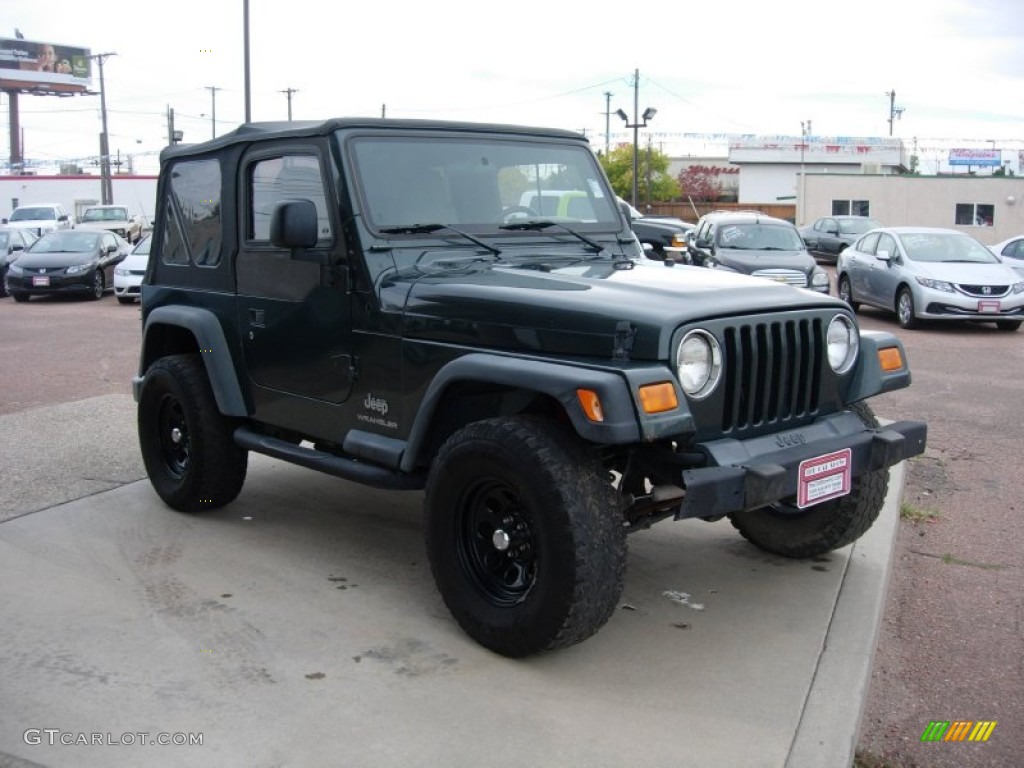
{"x":524,"y":534}
{"x":187,"y":446}
{"x":783,"y":529}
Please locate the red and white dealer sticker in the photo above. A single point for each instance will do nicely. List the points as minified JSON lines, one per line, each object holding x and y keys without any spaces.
{"x":823,"y":478}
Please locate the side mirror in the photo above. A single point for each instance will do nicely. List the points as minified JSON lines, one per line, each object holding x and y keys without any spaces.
{"x":702,"y":242}
{"x":17,"y":246}
{"x":831,"y":230}
{"x":112,"y":248}
{"x":62,"y":218}
{"x":883,"y":256}
{"x":293,"y":225}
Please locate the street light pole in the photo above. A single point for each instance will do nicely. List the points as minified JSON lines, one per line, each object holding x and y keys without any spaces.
{"x":636,"y":125}
{"x":106,"y":187}
{"x":245,"y":24}
{"x":805,"y":131}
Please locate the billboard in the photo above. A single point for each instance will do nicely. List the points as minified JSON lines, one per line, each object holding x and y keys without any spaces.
{"x":39,"y":66}
{"x":982,"y":157}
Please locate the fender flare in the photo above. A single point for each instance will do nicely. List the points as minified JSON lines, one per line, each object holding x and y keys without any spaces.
{"x":209,"y":335}
{"x":557,"y":380}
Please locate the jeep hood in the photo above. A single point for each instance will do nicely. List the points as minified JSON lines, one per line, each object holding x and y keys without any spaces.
{"x":577,"y":309}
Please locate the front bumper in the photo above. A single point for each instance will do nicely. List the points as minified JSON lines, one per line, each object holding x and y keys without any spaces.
{"x":80,"y":283}
{"x":942,"y":305}
{"x":748,"y":474}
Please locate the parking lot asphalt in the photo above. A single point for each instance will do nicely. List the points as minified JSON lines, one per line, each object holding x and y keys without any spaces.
{"x":299,"y":626}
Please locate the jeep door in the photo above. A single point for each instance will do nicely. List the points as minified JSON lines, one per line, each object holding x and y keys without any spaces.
{"x":293,"y":308}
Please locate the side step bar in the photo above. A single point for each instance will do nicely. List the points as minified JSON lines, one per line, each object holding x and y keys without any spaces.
{"x":339,"y":466}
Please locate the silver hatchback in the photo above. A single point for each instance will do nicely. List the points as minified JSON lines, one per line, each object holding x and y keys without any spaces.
{"x":926,"y":273}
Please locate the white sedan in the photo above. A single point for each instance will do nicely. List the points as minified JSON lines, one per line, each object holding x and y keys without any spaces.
{"x":1011,"y":252}
{"x":927,"y":273}
{"x":129,"y":273}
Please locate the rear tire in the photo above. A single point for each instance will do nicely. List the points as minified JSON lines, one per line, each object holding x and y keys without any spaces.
{"x":524,"y":534}
{"x":782,"y":529}
{"x":187,"y":446}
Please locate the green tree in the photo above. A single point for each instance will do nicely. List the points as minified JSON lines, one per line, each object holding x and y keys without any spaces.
{"x":618,"y":165}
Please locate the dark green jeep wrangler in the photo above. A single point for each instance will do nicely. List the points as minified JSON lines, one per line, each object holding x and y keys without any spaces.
{"x":368,"y":298}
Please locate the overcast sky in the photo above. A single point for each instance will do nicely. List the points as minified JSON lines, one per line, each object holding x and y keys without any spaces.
{"x":714,"y":68}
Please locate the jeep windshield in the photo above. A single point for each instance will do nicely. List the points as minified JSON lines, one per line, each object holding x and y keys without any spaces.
{"x":479,"y":184}
{"x":759,"y":237}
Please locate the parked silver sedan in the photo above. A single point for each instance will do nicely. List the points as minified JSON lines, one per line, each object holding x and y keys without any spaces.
{"x":924,"y":273}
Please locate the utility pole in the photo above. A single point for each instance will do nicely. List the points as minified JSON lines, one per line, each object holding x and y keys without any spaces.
{"x":213,"y":114}
{"x":607,"y":121}
{"x":288,"y":92}
{"x":106,"y":187}
{"x":895,"y":113}
{"x":383,"y":111}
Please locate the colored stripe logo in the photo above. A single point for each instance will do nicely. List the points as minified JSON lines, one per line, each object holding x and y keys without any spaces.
{"x":958,"y":730}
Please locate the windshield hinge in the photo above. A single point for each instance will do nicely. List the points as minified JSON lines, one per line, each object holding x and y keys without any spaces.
{"x":624,"y":335}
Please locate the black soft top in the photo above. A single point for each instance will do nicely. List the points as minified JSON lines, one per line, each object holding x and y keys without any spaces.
{"x":254,"y":132}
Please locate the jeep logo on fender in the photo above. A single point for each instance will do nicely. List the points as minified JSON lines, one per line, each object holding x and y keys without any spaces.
{"x":789,"y":439}
{"x":378,"y":404}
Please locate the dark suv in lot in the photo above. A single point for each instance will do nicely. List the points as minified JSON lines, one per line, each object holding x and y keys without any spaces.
{"x":368,"y":298}
{"x":754,"y":244}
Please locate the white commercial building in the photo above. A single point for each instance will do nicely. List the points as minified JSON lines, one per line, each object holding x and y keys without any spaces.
{"x":77,"y":192}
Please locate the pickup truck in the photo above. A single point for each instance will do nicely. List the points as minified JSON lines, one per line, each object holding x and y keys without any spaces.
{"x":113,"y":218}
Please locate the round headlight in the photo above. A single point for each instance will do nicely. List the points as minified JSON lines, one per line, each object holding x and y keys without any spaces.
{"x":698,"y":364}
{"x":843,"y":343}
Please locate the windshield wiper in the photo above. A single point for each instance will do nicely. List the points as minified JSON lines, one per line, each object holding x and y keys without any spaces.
{"x":537,"y":224}
{"x":418,"y":229}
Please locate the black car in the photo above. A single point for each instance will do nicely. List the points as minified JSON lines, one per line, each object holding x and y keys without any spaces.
{"x":67,"y":261}
{"x":12,"y":242}
{"x":755,"y":244}
{"x":829,"y":236}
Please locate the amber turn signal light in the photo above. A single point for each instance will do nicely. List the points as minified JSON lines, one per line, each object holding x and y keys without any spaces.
{"x":658,"y":398}
{"x":591,"y":404}
{"x":890,"y":359}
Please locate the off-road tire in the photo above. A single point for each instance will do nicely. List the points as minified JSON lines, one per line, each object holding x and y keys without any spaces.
{"x":784,"y":530}
{"x":529,"y":485}
{"x":203,"y":468}
{"x":845,"y":292}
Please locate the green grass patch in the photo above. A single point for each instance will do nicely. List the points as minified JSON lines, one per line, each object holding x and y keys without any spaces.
{"x":916,"y":514}
{"x":951,"y":560}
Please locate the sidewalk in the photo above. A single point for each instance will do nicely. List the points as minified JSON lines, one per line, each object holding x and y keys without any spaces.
{"x":299,"y":626}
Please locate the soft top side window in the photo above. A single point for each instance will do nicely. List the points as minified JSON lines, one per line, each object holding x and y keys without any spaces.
{"x":271,"y":180}
{"x":193,"y":224}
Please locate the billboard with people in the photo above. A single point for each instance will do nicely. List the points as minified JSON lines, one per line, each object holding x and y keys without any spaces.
{"x":44,"y":66}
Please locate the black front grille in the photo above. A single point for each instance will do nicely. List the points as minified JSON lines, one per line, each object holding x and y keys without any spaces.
{"x":772,"y":372}
{"x":984,"y":290}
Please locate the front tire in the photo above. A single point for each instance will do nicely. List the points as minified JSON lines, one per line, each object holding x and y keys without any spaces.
{"x":845,"y":291}
{"x":187,"y":446}
{"x":1008,"y":325}
{"x":524,"y":534}
{"x":96,"y":292}
{"x":21,"y":298}
{"x":906,"y":314}
{"x":782,"y":529}
{"x":125,"y":299}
